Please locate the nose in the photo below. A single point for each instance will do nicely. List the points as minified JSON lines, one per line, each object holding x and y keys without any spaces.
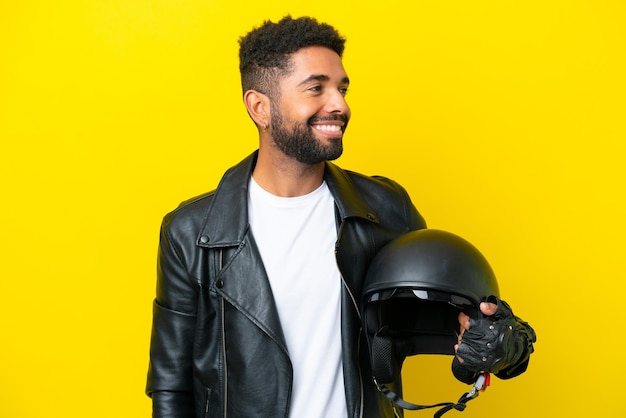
{"x":337,"y":103}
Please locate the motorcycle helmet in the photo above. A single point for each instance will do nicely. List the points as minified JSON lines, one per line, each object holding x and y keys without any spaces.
{"x":413,"y":292}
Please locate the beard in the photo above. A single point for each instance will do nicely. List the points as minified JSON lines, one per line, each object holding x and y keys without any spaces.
{"x":300,"y":142}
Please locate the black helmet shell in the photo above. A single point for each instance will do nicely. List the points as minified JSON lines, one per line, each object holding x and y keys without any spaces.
{"x":431,"y":259}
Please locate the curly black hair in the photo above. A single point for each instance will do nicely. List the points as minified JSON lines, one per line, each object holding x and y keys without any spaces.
{"x":264,"y":53}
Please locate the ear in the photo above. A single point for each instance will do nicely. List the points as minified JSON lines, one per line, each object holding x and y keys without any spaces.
{"x":258,"y":105}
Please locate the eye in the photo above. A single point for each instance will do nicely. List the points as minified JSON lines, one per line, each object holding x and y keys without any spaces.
{"x":316,"y":88}
{"x":343,"y":90}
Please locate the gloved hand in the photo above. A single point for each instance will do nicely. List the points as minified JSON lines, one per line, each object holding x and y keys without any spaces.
{"x":500,"y":343}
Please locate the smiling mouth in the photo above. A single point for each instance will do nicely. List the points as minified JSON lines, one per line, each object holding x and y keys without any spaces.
{"x":329,"y":128}
{"x":330,"y":125}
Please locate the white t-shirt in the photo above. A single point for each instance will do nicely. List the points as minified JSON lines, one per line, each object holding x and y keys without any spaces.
{"x":296,"y":237}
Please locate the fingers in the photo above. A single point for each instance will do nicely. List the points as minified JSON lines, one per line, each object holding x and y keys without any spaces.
{"x":456,"y":349}
{"x":462,"y":373}
{"x":488,"y":308}
{"x":496,"y":308}
{"x":464,"y":324}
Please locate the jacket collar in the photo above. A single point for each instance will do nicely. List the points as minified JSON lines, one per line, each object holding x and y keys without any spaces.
{"x":349,"y":203}
{"x":226,"y":222}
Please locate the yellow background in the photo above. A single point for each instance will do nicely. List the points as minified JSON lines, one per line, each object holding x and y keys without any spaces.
{"x":503,"y":119}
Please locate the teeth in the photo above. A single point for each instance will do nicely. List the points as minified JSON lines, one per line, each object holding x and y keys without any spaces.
{"x":329,"y":128}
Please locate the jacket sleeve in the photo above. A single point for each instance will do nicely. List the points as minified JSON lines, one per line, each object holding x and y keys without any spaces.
{"x":170,"y":382}
{"x":416,"y":220}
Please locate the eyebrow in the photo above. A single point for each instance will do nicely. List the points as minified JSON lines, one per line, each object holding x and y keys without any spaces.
{"x":321,"y":77}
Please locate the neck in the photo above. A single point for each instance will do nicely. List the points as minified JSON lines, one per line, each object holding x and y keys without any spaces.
{"x":285,"y":177}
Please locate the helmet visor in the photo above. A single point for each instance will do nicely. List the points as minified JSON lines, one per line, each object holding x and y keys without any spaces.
{"x":426,"y":318}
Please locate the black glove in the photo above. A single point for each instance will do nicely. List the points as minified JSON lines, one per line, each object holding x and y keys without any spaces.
{"x":500,"y":344}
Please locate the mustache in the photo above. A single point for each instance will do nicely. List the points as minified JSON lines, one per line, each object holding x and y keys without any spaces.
{"x":317,"y":119}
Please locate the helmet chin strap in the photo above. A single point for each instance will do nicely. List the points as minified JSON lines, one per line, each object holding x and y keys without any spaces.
{"x":479,"y":386}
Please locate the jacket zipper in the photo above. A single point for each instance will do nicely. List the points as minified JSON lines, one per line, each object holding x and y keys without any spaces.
{"x":225,"y":388}
{"x":207,"y":402}
{"x":354,"y":302}
{"x":358,"y":350}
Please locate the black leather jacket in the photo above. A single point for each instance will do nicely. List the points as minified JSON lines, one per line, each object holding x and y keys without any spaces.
{"x":217,"y":347}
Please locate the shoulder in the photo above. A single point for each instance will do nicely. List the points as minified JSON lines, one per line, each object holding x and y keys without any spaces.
{"x":363,"y":183}
{"x":189,"y":216}
{"x":385,"y":197}
{"x":376,"y":188}
{"x":379,"y":184}
{"x":222,"y":208}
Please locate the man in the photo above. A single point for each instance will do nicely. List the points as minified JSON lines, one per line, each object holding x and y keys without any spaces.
{"x":256,"y":312}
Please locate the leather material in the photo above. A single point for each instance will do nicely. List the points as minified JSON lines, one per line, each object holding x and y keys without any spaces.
{"x":500,"y":344}
{"x":217,"y":346}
